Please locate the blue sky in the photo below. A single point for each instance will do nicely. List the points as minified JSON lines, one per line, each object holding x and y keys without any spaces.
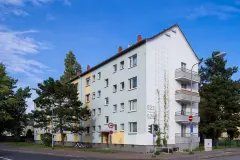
{"x":35,"y":35}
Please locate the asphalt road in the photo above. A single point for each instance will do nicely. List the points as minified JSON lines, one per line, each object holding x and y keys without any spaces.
{"x":4,"y":155}
{"x":227,"y":158}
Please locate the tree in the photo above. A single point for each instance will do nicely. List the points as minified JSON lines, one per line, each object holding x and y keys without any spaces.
{"x":72,"y":67}
{"x":219,"y":106}
{"x":13,"y":105}
{"x":67,"y":109}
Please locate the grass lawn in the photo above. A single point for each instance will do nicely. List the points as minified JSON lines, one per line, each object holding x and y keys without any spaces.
{"x":35,"y":145}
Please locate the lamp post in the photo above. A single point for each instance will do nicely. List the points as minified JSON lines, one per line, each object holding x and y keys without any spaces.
{"x":221,"y":55}
{"x":52,"y":129}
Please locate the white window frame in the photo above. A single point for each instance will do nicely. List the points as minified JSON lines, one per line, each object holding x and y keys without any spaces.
{"x":183,"y":86}
{"x":93,"y":78}
{"x":93,"y":95}
{"x":114,"y":68}
{"x":106,"y":119}
{"x":121,"y":107}
{"x":94,"y":128}
{"x":106,"y":82}
{"x":93,"y":112}
{"x":99,"y":75}
{"x":88,"y":80}
{"x":122,"y":127}
{"x":114,"y":88}
{"x":131,"y":107}
{"x":183,"y":66}
{"x":131,"y":61}
{"x":115,"y":127}
{"x":114,"y":108}
{"x":99,"y":94}
{"x":88,"y":130}
{"x":132,"y":129}
{"x":87,"y":98}
{"x":122,"y":85}
{"x":121,"y":65}
{"x":130,"y":81}
{"x":99,"y":128}
{"x":106,"y":101}
{"x":99,"y":111}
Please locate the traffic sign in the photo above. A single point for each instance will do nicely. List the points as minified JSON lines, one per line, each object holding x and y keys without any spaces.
{"x":110,"y":132}
{"x":190,"y":118}
{"x":110,"y":125}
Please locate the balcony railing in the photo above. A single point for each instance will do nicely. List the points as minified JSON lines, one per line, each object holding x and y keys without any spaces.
{"x":186,"y":137}
{"x":185,"y":96}
{"x":183,"y":74}
{"x":182,"y":117}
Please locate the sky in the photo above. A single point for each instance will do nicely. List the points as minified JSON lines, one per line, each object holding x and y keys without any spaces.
{"x":36,"y":35}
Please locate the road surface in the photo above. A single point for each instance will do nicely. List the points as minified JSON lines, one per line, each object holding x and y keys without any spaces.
{"x":6,"y":155}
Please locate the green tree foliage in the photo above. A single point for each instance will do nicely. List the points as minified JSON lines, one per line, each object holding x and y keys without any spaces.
{"x":72,"y":67}
{"x":219,"y":107}
{"x":67,"y":109}
{"x":46,"y":139}
{"x":13,"y":104}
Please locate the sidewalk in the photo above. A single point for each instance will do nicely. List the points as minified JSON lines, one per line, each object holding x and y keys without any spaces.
{"x":123,"y":155}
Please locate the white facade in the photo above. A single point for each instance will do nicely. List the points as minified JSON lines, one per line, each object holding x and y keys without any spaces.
{"x":158,"y":58}
{"x":158,"y":97}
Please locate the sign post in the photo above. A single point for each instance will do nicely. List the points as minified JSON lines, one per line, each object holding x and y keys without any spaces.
{"x":110,"y":125}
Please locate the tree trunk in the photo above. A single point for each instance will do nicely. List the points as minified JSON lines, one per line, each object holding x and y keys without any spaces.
{"x":62,"y":136}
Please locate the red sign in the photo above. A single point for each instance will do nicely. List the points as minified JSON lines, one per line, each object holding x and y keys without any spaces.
{"x":190,"y":118}
{"x":110,"y":125}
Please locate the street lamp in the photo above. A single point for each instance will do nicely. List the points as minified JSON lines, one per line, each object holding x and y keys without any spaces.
{"x":221,"y":55}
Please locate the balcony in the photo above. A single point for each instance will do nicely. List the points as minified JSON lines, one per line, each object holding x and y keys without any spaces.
{"x":184,"y":75}
{"x":182,"y":117}
{"x":186,"y":138}
{"x":185,"y":96}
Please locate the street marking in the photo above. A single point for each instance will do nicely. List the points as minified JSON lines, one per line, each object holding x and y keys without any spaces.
{"x":5,"y":158}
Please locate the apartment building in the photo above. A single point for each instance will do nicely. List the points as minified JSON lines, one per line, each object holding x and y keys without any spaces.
{"x":144,"y":84}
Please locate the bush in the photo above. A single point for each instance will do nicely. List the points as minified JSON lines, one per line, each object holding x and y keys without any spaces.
{"x":157,"y":153}
{"x":46,"y":139}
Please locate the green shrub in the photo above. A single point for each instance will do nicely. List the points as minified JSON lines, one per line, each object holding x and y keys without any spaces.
{"x":46,"y":139}
{"x":164,"y":141}
{"x":157,"y":153}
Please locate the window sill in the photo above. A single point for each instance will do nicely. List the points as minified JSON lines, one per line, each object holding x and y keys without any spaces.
{"x":122,"y":111}
{"x":114,"y":72}
{"x":105,"y":86}
{"x":105,"y":104}
{"x":87,"y":85}
{"x":133,"y":133}
{"x":121,"y":69}
{"x":132,"y":111}
{"x":121,"y":130}
{"x":114,"y":112}
{"x":99,"y":114}
{"x":88,"y":102}
{"x":87,"y":134}
{"x":132,"y":67}
{"x":115,"y":92}
{"x":121,"y":89}
{"x":132,"y":89}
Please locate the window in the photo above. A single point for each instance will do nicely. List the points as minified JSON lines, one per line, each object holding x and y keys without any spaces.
{"x":99,"y":128}
{"x":106,"y":101}
{"x":88,"y":98}
{"x":122,"y":127}
{"x":93,"y":112}
{"x":106,"y":120}
{"x":133,"y":127}
{"x":88,"y":130}
{"x":88,"y":81}
{"x":115,"y":127}
{"x":122,"y":86}
{"x":106,"y":82}
{"x":122,"y":106}
{"x":93,"y":128}
{"x":114,"y":68}
{"x":184,"y":86}
{"x":99,"y":75}
{"x":183,"y":66}
{"x":114,"y":108}
{"x":114,"y":88}
{"x":99,"y":94}
{"x":133,"y":83}
{"x":133,"y":105}
{"x":121,"y":65}
{"x":99,"y":111}
{"x":133,"y":61}
{"x":93,"y":95}
{"x":93,"y":78}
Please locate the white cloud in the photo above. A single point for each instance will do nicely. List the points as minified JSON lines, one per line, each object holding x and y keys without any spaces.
{"x":50,"y":17}
{"x":219,"y":11}
{"x":67,"y":2}
{"x":15,"y":46}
